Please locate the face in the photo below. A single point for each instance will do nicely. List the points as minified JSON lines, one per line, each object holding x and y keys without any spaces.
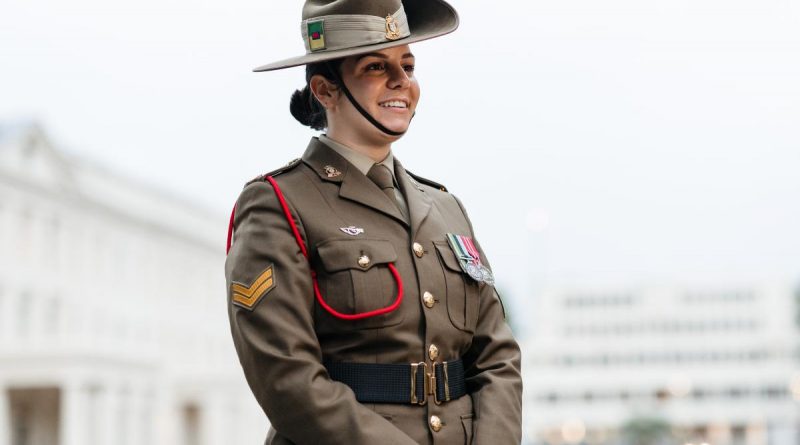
{"x":383,"y":83}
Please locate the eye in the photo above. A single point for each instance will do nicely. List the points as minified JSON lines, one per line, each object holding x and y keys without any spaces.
{"x":408,"y":68}
{"x":377,"y":66}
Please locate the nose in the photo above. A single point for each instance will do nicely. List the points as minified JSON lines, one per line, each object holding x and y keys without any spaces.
{"x":398,"y":78}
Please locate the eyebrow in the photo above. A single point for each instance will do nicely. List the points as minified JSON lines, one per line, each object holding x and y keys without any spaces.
{"x":382,"y":56}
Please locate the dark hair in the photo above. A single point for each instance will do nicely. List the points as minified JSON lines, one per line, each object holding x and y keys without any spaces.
{"x":303,"y":105}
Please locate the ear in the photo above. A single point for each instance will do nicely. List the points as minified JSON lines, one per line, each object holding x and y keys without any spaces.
{"x":326,"y":92}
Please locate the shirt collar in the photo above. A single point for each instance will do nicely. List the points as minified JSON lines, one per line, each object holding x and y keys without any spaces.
{"x":361,"y":161}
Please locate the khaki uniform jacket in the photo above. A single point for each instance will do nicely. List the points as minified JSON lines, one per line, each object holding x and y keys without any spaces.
{"x":283,"y":336}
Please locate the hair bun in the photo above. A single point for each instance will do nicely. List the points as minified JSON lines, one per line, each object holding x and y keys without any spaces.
{"x":303,"y":105}
{"x":307,"y":110}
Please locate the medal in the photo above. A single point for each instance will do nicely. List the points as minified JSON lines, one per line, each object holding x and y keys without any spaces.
{"x":469,"y":258}
{"x":474,"y":271}
{"x":488,"y":276}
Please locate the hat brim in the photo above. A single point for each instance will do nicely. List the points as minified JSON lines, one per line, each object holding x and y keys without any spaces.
{"x":426,"y":19}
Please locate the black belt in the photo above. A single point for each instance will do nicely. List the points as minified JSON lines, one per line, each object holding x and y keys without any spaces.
{"x":401,"y":383}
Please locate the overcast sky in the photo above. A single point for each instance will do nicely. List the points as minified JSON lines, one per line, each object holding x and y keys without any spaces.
{"x":620,"y":142}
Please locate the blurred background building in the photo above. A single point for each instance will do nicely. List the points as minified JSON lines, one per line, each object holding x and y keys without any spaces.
{"x":112,"y":331}
{"x":604,"y":148}
{"x":112,"y":328}
{"x":665,"y":365}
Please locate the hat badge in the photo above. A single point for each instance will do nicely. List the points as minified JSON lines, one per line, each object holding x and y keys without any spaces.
{"x":392,"y":28}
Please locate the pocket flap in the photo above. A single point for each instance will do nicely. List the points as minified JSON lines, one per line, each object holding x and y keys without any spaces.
{"x":342,"y":254}
{"x":448,"y":257}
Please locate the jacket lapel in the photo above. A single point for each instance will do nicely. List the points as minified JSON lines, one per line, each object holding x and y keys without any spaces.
{"x":419,"y":203}
{"x":353,"y":185}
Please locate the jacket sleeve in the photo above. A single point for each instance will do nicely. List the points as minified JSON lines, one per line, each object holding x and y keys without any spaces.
{"x":493,"y":371}
{"x":271,"y":311}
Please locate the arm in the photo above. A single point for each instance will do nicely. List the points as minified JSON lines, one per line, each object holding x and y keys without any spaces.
{"x":275,"y":338}
{"x":493,"y":371}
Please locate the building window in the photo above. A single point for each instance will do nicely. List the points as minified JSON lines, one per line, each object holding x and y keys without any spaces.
{"x":773,"y":392}
{"x":736,"y":393}
{"x":699,"y":394}
{"x":3,"y":310}
{"x":24,"y":315}
{"x":52,"y":317}
{"x":25,"y":234}
{"x":50,"y":247}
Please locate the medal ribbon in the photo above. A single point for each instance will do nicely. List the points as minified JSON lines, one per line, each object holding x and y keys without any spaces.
{"x":461,"y":251}
{"x":473,"y":251}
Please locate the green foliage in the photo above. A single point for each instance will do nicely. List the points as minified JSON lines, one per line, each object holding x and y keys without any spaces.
{"x":797,"y":305}
{"x":645,"y":431}
{"x":506,"y":302}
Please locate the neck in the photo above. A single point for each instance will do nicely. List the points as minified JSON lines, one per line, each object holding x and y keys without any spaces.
{"x":376,"y":150}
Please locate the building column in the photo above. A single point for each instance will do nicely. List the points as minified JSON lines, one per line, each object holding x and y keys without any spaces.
{"x":75,"y":419}
{"x":123,"y":415}
{"x":107,"y":415}
{"x":213,"y":418}
{"x":166,"y":414}
{"x":5,"y":415}
{"x":146,"y":417}
{"x":135,"y":415}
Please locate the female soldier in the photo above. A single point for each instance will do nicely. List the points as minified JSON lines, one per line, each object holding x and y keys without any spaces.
{"x":362,"y":309}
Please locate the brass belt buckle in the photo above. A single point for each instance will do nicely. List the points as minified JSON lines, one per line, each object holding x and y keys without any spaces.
{"x":425,"y":389}
{"x":445,"y":383}
{"x":432,"y":388}
{"x":429,"y":389}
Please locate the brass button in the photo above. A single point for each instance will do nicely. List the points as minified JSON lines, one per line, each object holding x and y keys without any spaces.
{"x":419,"y":250}
{"x":436,"y":423}
{"x":428,"y":299}
{"x":363,"y":261}
{"x":433,"y":352}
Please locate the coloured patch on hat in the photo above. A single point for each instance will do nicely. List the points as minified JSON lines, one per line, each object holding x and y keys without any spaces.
{"x":316,"y":35}
{"x":248,"y":296}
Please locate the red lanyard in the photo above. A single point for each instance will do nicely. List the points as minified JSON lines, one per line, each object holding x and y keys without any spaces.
{"x":303,"y":249}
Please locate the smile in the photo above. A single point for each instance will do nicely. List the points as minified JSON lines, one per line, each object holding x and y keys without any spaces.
{"x":394,"y":104}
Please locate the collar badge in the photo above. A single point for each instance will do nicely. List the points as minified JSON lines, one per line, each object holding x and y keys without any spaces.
{"x":332,"y":171}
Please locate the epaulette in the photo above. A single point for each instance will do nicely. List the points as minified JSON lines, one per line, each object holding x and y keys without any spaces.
{"x":427,"y":181}
{"x":275,"y":172}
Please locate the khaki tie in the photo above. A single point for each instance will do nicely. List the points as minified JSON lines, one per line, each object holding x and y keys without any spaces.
{"x":382,"y":177}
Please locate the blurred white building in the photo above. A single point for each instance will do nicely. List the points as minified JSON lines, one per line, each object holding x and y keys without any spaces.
{"x":113,"y":325}
{"x":713,"y":367}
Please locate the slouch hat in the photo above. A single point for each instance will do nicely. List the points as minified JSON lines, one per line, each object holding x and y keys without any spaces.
{"x":332,"y":29}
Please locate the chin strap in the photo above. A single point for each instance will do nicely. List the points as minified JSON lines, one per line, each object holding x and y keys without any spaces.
{"x":360,"y":109}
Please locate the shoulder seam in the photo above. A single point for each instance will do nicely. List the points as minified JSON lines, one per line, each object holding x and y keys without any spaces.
{"x":427,"y":182}
{"x":294,"y":163}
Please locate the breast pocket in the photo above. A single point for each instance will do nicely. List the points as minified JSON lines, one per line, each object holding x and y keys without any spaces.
{"x":355,"y":278}
{"x":462,"y":291}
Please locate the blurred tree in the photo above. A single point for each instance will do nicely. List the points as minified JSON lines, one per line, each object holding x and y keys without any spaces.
{"x":797,"y":305}
{"x":646,"y":431}
{"x":507,"y":301}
